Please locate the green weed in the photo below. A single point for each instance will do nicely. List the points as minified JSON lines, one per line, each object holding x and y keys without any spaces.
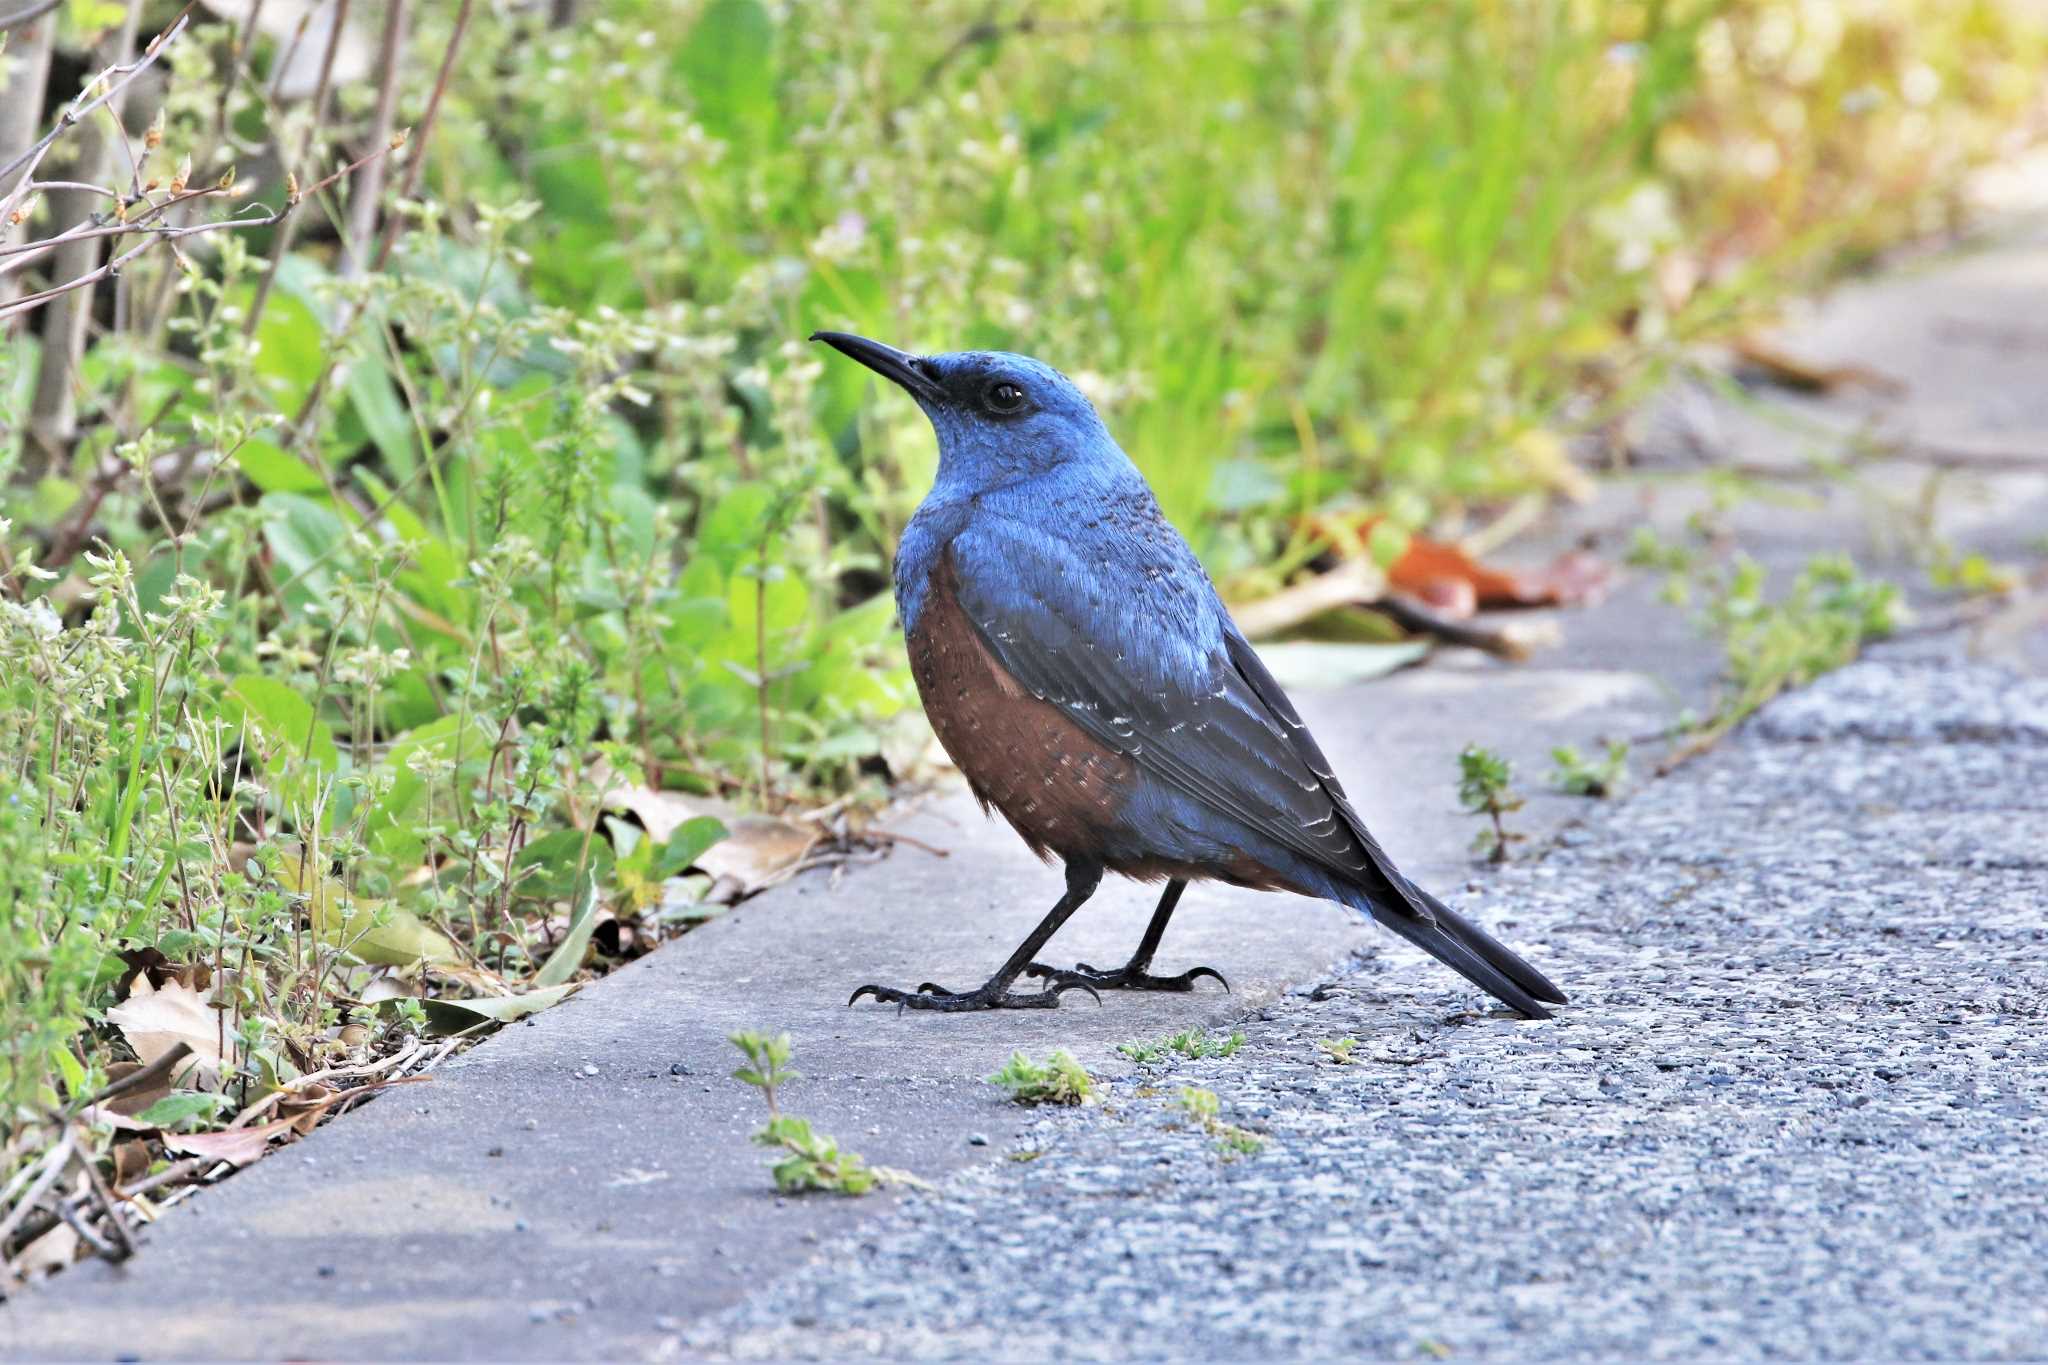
{"x":1204,"y":1108}
{"x":810,"y":1161}
{"x":1193,"y":1044}
{"x":1059,"y":1079}
{"x":1486,"y":788}
{"x":1339,"y":1050}
{"x":1822,"y":622}
{"x":1577,"y":775}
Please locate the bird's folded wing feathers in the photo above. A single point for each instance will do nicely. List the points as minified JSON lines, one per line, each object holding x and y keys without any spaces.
{"x":1145,"y":660}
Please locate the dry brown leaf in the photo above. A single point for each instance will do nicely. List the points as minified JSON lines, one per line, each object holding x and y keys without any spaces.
{"x":131,"y":1160}
{"x":156,"y":1019}
{"x":1788,"y":371}
{"x":236,"y":1146}
{"x":102,"y":1116}
{"x":132,"y":1102}
{"x":304,"y":1106}
{"x":758,"y":852}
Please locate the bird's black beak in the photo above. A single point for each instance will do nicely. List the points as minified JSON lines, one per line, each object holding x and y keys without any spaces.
{"x":886,"y":361}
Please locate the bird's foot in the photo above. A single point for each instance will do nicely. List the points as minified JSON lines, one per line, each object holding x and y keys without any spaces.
{"x":1125,"y":978}
{"x":992,"y":996}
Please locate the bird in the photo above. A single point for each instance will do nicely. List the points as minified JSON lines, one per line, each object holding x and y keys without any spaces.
{"x":1081,"y":671}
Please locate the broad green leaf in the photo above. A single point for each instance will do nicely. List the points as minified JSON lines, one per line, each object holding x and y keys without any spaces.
{"x":453,"y":1016}
{"x":555,"y":858}
{"x":306,"y":536}
{"x":389,"y":826}
{"x":687,"y":843}
{"x":728,"y":61}
{"x":781,"y":597}
{"x":366,"y":929}
{"x":275,"y":470}
{"x":374,"y":400}
{"x":568,"y":954}
{"x":286,"y":719}
{"x":173,"y":1109}
{"x":290,"y":348}
{"x":734,"y":528}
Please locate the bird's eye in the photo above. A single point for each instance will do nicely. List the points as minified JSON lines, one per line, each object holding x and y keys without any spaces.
{"x":1005,"y":397}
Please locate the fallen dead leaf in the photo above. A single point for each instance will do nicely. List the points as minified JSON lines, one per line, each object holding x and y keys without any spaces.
{"x":132,"y":1102}
{"x":304,"y":1106}
{"x":101,"y":1116}
{"x":140,"y":962}
{"x":757,"y":852}
{"x":1450,"y":581}
{"x":1781,"y":367}
{"x":236,"y":1146}
{"x":131,"y":1159}
{"x":369,"y":930}
{"x":156,"y":1019}
{"x":52,"y":1251}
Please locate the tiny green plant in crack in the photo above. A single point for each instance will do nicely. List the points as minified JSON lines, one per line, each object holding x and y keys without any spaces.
{"x":1578,"y":775}
{"x":1205,"y":1109}
{"x":1195,"y":1044}
{"x":1486,"y":788}
{"x":809,"y":1161}
{"x":1059,"y":1079}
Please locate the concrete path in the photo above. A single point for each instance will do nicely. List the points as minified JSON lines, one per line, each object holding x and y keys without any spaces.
{"x":1797,"y":1107}
{"x":582,"y":1186}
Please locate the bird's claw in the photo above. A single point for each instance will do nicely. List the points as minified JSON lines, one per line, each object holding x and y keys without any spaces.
{"x":1123,"y":979}
{"x":930,"y":996}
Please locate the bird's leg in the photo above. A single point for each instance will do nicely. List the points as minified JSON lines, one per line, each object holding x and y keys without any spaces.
{"x":1135,"y":975}
{"x":995,"y":993}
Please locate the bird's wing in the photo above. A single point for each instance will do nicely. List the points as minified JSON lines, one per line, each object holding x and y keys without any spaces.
{"x":1138,"y":652}
{"x":1126,"y":636}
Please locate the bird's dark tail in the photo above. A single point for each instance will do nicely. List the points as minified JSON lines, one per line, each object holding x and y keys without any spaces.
{"x":1469,"y":950}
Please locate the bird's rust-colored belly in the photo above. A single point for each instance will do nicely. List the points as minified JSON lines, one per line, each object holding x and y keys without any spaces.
{"x":1055,"y":785}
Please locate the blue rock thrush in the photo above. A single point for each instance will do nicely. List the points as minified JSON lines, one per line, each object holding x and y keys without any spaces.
{"x":1079,"y":667}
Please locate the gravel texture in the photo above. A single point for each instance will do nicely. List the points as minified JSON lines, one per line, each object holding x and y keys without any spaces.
{"x":1798,"y":1107}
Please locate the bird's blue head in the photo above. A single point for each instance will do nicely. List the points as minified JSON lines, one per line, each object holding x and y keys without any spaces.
{"x":999,"y":417}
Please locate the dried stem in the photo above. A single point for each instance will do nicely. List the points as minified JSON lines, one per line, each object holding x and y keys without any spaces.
{"x":282,"y":244}
{"x":53,"y":416}
{"x":368,"y":192}
{"x":394,"y":225}
{"x":152,"y":235}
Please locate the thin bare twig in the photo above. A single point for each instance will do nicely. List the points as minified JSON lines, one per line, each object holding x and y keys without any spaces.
{"x":153,"y":235}
{"x":126,"y":72}
{"x":368,"y":192}
{"x":36,"y":10}
{"x":53,"y":1162}
{"x":283,"y":243}
{"x":315,"y":396}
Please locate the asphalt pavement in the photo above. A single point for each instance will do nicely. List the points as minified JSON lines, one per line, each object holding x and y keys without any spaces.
{"x":1797,"y":1108}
